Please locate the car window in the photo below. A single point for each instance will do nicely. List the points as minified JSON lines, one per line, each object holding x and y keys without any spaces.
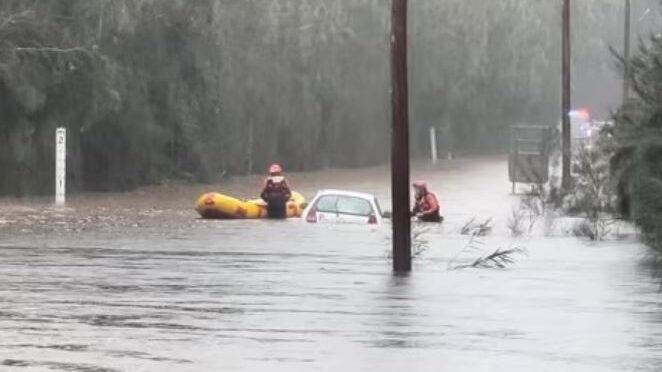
{"x":355,"y":206}
{"x":327,"y":203}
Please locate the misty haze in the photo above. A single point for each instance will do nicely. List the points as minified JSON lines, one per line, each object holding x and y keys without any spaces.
{"x":330,"y":185}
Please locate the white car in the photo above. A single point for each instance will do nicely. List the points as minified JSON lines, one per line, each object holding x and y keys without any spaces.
{"x":338,"y":206}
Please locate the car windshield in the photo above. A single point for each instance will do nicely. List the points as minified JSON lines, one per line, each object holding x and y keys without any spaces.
{"x":353,"y":205}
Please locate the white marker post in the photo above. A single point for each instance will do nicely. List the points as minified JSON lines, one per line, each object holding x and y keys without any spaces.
{"x":60,"y":165}
{"x":433,"y":144}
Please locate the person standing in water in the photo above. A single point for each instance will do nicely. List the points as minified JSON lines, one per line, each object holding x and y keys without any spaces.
{"x":426,"y":207}
{"x":276,"y":192}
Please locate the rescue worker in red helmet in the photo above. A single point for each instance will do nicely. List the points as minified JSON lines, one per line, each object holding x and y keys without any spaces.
{"x":276,"y":193}
{"x":426,"y":206}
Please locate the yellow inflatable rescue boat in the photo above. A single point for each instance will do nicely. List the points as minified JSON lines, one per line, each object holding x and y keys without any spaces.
{"x":219,"y":206}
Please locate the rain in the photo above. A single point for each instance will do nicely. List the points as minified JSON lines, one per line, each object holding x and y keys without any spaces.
{"x":225,"y":185}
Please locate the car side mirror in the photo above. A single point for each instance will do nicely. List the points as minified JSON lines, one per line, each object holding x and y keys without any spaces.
{"x":387,"y":214}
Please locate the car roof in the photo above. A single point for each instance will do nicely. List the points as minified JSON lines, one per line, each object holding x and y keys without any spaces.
{"x":344,"y":193}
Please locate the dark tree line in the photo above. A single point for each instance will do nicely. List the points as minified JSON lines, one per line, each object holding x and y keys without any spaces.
{"x":151,"y":90}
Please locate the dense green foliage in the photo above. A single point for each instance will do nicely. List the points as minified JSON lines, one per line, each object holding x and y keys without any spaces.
{"x":636,"y":145}
{"x":153,"y":89}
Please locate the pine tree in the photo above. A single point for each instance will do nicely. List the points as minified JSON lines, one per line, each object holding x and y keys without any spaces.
{"x":636,"y":143}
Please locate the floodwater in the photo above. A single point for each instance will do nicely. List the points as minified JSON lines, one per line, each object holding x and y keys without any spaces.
{"x":135,"y":282}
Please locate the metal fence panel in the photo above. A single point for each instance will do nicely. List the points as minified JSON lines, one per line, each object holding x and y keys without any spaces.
{"x":528,"y":160}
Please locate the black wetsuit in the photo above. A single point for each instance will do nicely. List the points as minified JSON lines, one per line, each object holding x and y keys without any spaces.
{"x":276,"y":193}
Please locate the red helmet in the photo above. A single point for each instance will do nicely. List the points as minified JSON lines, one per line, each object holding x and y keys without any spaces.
{"x":422,"y":185}
{"x":275,"y":168}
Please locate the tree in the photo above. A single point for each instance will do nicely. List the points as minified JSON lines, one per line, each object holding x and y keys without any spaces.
{"x":152,"y":90}
{"x":636,"y":144}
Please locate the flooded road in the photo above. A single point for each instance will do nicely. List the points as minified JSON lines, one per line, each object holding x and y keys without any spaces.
{"x":136,"y":282}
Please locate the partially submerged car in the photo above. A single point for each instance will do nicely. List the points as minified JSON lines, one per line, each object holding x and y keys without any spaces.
{"x":339,"y":206}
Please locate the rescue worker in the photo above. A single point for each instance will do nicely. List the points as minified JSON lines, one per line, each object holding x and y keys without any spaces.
{"x":276,"y":193}
{"x":426,"y":207}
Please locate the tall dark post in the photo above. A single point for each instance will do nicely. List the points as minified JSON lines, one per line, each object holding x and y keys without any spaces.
{"x":400,"y":139}
{"x":565,"y":100}
{"x":626,"y":52}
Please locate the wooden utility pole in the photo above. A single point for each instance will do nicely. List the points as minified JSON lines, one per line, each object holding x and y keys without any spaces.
{"x":400,"y":139}
{"x":565,"y":100}
{"x":626,"y":52}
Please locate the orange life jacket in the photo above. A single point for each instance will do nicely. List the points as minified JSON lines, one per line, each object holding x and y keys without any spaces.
{"x":427,"y":205}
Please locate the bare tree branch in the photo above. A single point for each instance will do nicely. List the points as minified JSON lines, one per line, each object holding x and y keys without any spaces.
{"x":52,"y":50}
{"x":11,"y":19}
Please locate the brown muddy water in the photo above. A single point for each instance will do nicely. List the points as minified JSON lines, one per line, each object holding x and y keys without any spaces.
{"x":136,"y":282}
